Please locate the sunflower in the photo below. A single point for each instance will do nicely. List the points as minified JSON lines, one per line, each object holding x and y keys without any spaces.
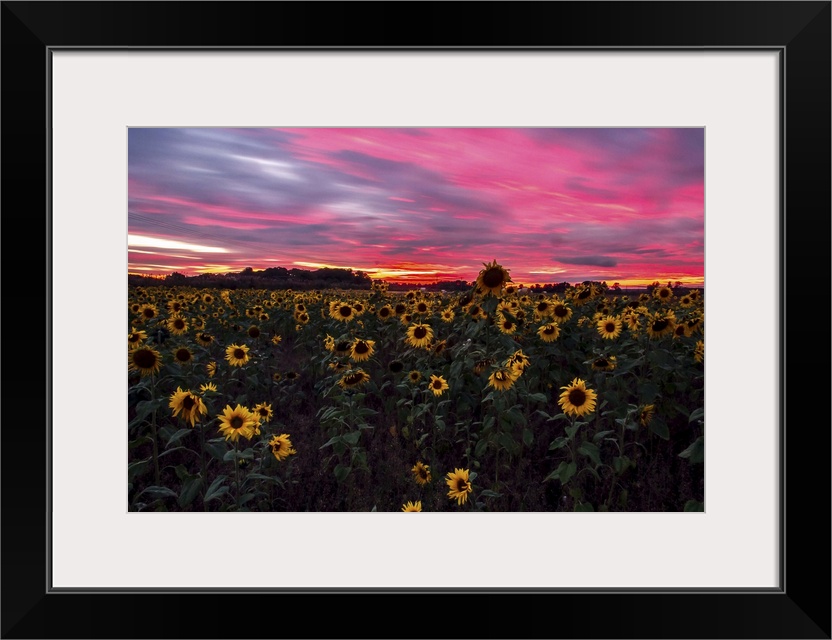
{"x":148,"y":312}
{"x":475,"y":311}
{"x":604,"y":363}
{"x":187,"y":405}
{"x":354,"y":379}
{"x":576,"y":400}
{"x":406,"y":319}
{"x":583,"y":295}
{"x":412,"y":506}
{"x":699,"y":351}
{"x":145,"y":360}
{"x":183,"y":355}
{"x":507,"y":327}
{"x":291,"y":376}
{"x":362,"y":350}
{"x":492,"y":279}
{"x":237,"y":422}
{"x":447,"y":315}
{"x":385,"y":313}
{"x":263,"y":411}
{"x":135,"y":307}
{"x":276,"y":377}
{"x":661,"y":324}
{"x":414,"y":376}
{"x":549,"y":332}
{"x":685,"y":301}
{"x":502,"y":379}
{"x":208,"y":298}
{"x":680,"y":331}
{"x":329,"y":343}
{"x":663,"y":293}
{"x":254,"y":331}
{"x":396,"y":366}
{"x":175,"y":306}
{"x":419,"y":335}
{"x":460,"y":487}
{"x":645,"y":414}
{"x":276,"y":339}
{"x":205,"y":339}
{"x":237,"y":355}
{"x":543,"y":309}
{"x":561,"y":312}
{"x":692,"y":325}
{"x":400,"y":308}
{"x":281,"y":447}
{"x":208,"y":386}
{"x":177,"y":325}
{"x":421,"y":473}
{"x":438,"y":385}
{"x":211,"y":369}
{"x":135,"y":338}
{"x":342,"y":348}
{"x":609,"y":327}
{"x":439,"y":347}
{"x":341,"y":311}
{"x":482,"y":365}
{"x":421,"y":307}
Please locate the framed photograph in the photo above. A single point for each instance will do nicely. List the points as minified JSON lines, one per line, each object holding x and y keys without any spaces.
{"x":580,"y":144}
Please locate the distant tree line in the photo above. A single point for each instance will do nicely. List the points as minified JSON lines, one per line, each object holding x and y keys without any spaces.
{"x":271,"y":278}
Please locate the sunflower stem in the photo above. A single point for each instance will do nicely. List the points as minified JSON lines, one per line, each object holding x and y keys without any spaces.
{"x":237,"y":472}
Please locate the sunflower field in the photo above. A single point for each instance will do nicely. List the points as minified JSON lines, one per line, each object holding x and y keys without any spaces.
{"x":492,"y":400}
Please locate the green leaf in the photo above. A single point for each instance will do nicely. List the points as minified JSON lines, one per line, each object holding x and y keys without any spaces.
{"x":620,"y":464}
{"x":697,"y":414}
{"x":331,"y":441}
{"x":480,"y":448}
{"x":695,"y":452}
{"x":601,"y":435}
{"x":216,"y":489}
{"x":490,"y":494}
{"x":216,"y":450}
{"x":176,"y":437}
{"x":648,"y":391}
{"x":694,"y":505}
{"x":537,"y":397}
{"x":352,"y":438}
{"x":341,"y":472}
{"x":159,"y":492}
{"x":135,"y":469}
{"x":528,"y":437}
{"x":658,"y":426}
{"x":571,"y":430}
{"x":591,"y":451}
{"x":190,"y":489}
{"x":558,"y":443}
{"x":583,"y":506}
{"x":567,"y":474}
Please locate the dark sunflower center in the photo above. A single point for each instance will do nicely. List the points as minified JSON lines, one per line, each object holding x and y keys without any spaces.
{"x":493,"y":277}
{"x":362,"y":348}
{"x":560,"y":311}
{"x":236,"y":422}
{"x":205,"y":337}
{"x":264,"y":412}
{"x":601,"y":363}
{"x":419,"y":333}
{"x":577,"y":397}
{"x":474,"y":311}
{"x":507,"y":324}
{"x":583,"y":294}
{"x":183,"y":355}
{"x":461,"y":485}
{"x":664,"y":293}
{"x":437,"y":384}
{"x":400,"y":308}
{"x":609,"y":327}
{"x":384,"y":312}
{"x":239,"y":354}
{"x":188,"y":403}
{"x":421,"y":307}
{"x":354,"y":378}
{"x":542,"y":306}
{"x":148,"y":313}
{"x":660,"y":325}
{"x":345,"y":312}
{"x":133,"y":337}
{"x":179,"y":324}
{"x":549,"y":330}
{"x":254,"y":332}
{"x":144,"y":358}
{"x":291,"y":375}
{"x":680,"y":330}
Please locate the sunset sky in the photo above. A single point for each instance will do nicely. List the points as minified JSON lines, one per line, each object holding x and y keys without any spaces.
{"x":420,"y":205}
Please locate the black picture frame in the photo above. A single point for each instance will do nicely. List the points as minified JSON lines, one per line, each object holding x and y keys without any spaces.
{"x":799,"y":608}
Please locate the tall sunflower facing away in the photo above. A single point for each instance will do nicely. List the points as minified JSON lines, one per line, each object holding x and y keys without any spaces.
{"x":459,"y":486}
{"x":187,"y":405}
{"x":576,"y":400}
{"x":492,"y":279}
{"x":237,"y":422}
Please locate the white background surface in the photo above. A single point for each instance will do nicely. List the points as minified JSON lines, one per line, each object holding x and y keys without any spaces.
{"x":96,"y":543}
